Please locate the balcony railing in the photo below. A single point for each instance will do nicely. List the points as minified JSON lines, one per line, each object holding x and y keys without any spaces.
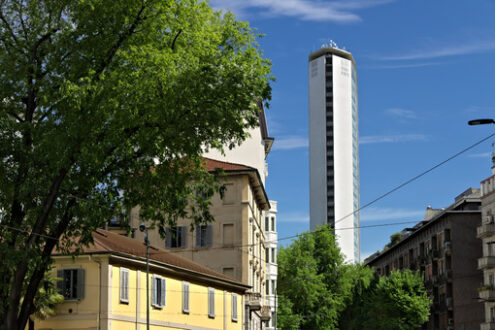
{"x":485,"y":230}
{"x":487,"y":292}
{"x":254,"y":301}
{"x":486,"y":262}
{"x":266,"y":313}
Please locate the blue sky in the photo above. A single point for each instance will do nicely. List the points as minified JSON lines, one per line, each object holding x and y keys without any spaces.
{"x":424,"y":69}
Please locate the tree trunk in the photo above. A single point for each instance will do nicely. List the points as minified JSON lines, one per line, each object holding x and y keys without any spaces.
{"x":31,"y":324}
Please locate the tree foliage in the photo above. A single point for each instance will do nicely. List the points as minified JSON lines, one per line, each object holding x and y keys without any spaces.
{"x":95,"y":93}
{"x":317,"y":290}
{"x":314,"y":279}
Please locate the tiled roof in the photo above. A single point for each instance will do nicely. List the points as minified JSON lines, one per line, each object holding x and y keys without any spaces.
{"x":106,"y":241}
{"x":212,"y":164}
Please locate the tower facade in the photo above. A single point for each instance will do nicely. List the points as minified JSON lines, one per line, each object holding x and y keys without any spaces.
{"x":334,"y":146}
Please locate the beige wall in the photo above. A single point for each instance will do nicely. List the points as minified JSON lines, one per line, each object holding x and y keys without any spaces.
{"x":244,"y":252}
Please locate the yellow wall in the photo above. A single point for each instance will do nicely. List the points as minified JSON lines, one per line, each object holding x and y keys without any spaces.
{"x":116,"y":314}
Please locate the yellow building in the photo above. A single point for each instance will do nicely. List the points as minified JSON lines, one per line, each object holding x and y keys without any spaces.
{"x":105,"y":288}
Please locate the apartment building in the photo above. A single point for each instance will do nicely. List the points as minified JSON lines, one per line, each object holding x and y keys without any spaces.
{"x":486,"y":232}
{"x":445,"y":249}
{"x":271,"y":241}
{"x":105,"y":288}
{"x":235,"y":243}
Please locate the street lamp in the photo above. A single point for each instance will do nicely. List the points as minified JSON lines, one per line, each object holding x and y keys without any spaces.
{"x":482,"y":121}
{"x":142,"y":228}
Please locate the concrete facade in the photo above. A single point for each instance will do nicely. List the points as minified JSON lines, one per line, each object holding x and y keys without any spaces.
{"x":486,"y":232}
{"x":271,"y":242}
{"x":445,"y":249}
{"x":333,"y":146}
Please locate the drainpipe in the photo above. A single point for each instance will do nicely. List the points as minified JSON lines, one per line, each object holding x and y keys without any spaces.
{"x":99,"y":290}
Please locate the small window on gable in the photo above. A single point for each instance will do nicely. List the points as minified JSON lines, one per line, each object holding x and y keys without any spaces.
{"x":158,"y":291}
{"x":234,"y":307}
{"x":211,"y":302}
{"x":185,"y":297}
{"x":124,"y":285}
{"x":71,"y":285}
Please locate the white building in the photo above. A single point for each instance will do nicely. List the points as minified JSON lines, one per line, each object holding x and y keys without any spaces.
{"x":271,"y":241}
{"x":333,"y":146}
{"x":252,"y":151}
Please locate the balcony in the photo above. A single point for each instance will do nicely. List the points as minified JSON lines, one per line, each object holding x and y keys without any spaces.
{"x":266,"y":313}
{"x":487,"y":292}
{"x":254,"y":301}
{"x":485,"y":230}
{"x":487,"y":326}
{"x":486,"y":262}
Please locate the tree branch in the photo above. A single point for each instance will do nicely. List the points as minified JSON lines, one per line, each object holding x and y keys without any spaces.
{"x":175,"y":39}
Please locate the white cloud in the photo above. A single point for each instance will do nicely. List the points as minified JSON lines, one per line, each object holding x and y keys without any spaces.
{"x":293,"y":217}
{"x":402,"y":113}
{"x":481,"y":155}
{"x":377,"y":214}
{"x":308,"y":10}
{"x":290,"y":142}
{"x":392,"y":138}
{"x":460,"y":48}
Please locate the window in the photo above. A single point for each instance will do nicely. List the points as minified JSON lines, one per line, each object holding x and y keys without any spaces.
{"x":267,"y":228}
{"x":71,"y":285}
{"x":185,"y":297}
{"x":273,"y":256}
{"x":203,"y":236}
{"x":228,"y":234}
{"x":273,"y":287}
{"x":234,"y":307}
{"x":267,"y":284}
{"x":124,"y":285}
{"x":175,"y":237}
{"x":267,"y":255}
{"x":273,"y":223}
{"x":158,"y":287}
{"x":211,"y":302}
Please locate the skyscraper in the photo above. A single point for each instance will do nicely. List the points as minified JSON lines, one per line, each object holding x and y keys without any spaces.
{"x":333,"y":146}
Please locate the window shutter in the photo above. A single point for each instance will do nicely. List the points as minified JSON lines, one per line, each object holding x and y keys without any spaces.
{"x":80,"y":283}
{"x":153,"y":290}
{"x":211,"y":302}
{"x":209,"y":235}
{"x":168,"y":238}
{"x":234,"y":307}
{"x":124,"y":284}
{"x":198,"y":236}
{"x":185,"y":297}
{"x":183,"y":230}
{"x":163,"y":291}
{"x":61,"y":282}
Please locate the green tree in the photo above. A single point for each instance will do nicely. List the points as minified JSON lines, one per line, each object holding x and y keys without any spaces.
{"x":45,"y":299}
{"x":399,"y":301}
{"x":93,"y":94}
{"x":314,"y":280}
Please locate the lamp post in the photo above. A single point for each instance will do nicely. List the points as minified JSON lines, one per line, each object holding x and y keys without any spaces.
{"x":482,"y":121}
{"x":143,"y":228}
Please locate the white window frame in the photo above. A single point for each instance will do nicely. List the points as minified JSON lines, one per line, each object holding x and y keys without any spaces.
{"x":185,"y":297}
{"x":234,"y":307}
{"x":154,"y":292}
{"x":124,"y":285}
{"x":211,"y":303}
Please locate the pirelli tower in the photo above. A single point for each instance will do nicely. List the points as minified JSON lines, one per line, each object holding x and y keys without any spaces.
{"x":333,"y":146}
